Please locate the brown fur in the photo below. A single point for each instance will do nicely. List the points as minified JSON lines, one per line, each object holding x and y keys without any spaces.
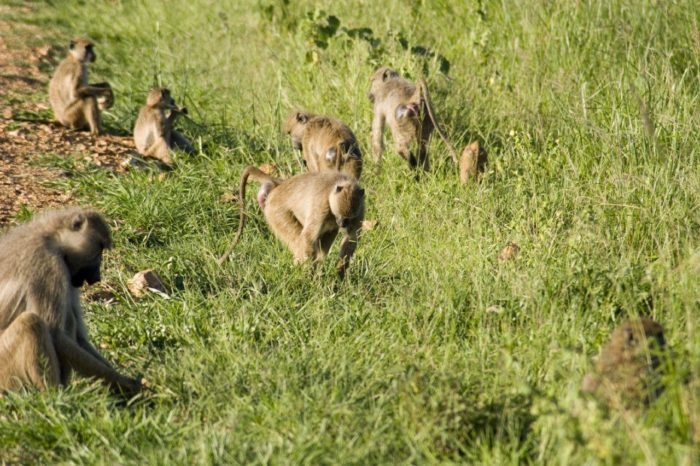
{"x":77,"y":104}
{"x":327,"y":143}
{"x":154,"y":135}
{"x":42,"y":334}
{"x":472,"y":163}
{"x":306,"y":212}
{"x":626,"y":369}
{"x":409,"y":112}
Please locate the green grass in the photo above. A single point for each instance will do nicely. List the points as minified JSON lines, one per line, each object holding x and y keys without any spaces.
{"x":431,"y":350}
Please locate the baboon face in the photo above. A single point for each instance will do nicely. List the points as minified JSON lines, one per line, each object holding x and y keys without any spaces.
{"x":82,"y":50}
{"x":378,"y":79}
{"x":347,"y":203}
{"x":82,"y":241}
{"x":160,"y":97}
{"x":294,"y":126}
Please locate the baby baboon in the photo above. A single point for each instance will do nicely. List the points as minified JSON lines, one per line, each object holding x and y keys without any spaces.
{"x":327,"y":143}
{"x":154,"y":134}
{"x":43,"y":337}
{"x":408,"y":110}
{"x":76,"y":103}
{"x":472,"y":163}
{"x":306,"y":212}
{"x":627,"y":368}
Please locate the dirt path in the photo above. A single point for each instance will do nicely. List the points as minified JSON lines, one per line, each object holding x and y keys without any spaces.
{"x":27,"y":133}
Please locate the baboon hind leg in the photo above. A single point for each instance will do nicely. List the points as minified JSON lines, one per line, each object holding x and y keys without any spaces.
{"x":84,"y":113}
{"x":160,"y":150}
{"x":286,"y":228}
{"x":28,"y":355}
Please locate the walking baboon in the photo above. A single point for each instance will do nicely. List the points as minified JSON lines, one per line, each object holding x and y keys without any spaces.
{"x":626,"y":370}
{"x":326,"y":143}
{"x":306,"y":212}
{"x":408,"y":110}
{"x":75,"y":103}
{"x":43,"y":338}
{"x":154,"y":135}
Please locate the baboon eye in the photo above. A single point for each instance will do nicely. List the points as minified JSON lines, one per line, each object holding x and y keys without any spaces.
{"x":338,"y":189}
{"x":71,"y":45}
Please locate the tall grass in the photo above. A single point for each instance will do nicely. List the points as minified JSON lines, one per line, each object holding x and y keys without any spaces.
{"x":431,"y":350}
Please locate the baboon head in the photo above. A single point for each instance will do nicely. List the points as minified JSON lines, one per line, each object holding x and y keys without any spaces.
{"x":636,"y":338}
{"x":82,"y":50}
{"x":347,"y":202}
{"x":160,"y":97}
{"x":81,"y":236}
{"x":378,"y":79}
{"x":295,"y":125}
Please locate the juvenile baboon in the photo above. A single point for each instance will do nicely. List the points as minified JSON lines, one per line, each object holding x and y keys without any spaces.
{"x":43,"y":338}
{"x":509,"y":252}
{"x":626,"y":371}
{"x":306,"y":212}
{"x":154,"y":135}
{"x":326,"y":143}
{"x":77,"y":104}
{"x":472,"y":163}
{"x":408,"y":110}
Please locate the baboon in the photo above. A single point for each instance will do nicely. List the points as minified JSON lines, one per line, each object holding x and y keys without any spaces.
{"x":627,"y":369}
{"x":154,"y":135}
{"x":306,"y":212}
{"x":43,"y":338}
{"x":77,"y":104}
{"x":509,"y":252}
{"x":326,"y":143}
{"x":408,"y":110}
{"x":472,"y":163}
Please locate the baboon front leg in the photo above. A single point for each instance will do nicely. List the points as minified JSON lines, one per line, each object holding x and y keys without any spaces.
{"x":347,"y":249}
{"x":70,"y":353}
{"x":27,"y":354}
{"x":326,"y":241}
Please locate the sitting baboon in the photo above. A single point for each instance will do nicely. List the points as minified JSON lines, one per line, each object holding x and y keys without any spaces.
{"x":43,"y":338}
{"x":154,"y":135}
{"x":76,"y":103}
{"x":326,"y":143}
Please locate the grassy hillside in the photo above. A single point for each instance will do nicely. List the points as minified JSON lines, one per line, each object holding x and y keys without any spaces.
{"x":431,"y":350}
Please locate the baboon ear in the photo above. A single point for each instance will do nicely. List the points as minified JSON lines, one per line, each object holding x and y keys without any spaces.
{"x":474,"y":147}
{"x":77,"y":222}
{"x":386,"y":75}
{"x":301,"y":118}
{"x":362,"y":192}
{"x":71,"y":46}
